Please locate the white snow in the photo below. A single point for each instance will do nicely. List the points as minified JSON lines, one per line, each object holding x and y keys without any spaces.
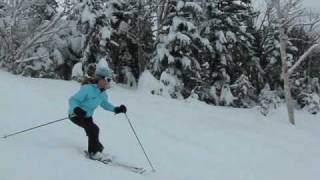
{"x":148,"y":83}
{"x":177,"y":21}
{"x":130,"y":79}
{"x":43,"y":55}
{"x":162,"y":52}
{"x":123,"y":27}
{"x":106,"y":33}
{"x":88,"y":16}
{"x":76,"y":43}
{"x":186,"y":140}
{"x":226,"y":96}
{"x":231,"y":37}
{"x":77,"y":70}
{"x":221,"y":36}
{"x":170,"y":83}
{"x":186,"y":62}
{"x":57,"y":56}
{"x":219,"y":47}
{"x":180,"y":5}
{"x":195,"y":6}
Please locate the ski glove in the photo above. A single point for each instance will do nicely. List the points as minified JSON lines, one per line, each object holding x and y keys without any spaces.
{"x":79,"y":112}
{"x":120,"y":109}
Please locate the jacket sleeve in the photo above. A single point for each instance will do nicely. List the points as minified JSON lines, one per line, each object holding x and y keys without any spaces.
{"x":77,"y":98}
{"x":105,"y":104}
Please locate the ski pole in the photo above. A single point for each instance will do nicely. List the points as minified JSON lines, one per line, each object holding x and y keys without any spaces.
{"x":153,"y":170}
{"x":15,"y":133}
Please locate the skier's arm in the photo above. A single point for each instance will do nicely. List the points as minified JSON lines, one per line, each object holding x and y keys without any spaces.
{"x":105,"y":104}
{"x":77,"y":98}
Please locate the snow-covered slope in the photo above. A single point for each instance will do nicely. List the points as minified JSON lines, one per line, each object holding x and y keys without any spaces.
{"x":186,"y":140}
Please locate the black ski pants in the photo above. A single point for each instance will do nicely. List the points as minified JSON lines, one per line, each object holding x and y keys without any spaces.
{"x":92,"y":131}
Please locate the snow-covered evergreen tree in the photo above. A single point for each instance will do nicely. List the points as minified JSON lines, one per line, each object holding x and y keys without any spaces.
{"x":307,"y":94}
{"x":91,"y":32}
{"x":245,"y":92}
{"x":175,"y":60}
{"x":111,"y":30}
{"x":237,"y":27}
{"x":134,"y":40}
{"x":268,"y":99}
{"x":268,"y":50}
{"x":229,"y":26}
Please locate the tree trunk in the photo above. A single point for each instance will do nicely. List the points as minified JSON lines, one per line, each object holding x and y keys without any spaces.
{"x":141,"y":62}
{"x":283,"y":51}
{"x":285,"y":74}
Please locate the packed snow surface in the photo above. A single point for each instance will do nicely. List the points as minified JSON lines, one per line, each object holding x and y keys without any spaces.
{"x":185,"y":139}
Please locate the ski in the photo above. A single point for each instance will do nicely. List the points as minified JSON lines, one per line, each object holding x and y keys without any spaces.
{"x":111,"y":162}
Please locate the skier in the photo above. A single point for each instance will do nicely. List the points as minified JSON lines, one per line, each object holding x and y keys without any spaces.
{"x":82,"y":105}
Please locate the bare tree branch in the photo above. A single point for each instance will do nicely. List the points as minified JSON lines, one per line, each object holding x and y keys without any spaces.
{"x":303,"y":57}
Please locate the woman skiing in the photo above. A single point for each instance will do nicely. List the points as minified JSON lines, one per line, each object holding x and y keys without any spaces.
{"x":83,"y":104}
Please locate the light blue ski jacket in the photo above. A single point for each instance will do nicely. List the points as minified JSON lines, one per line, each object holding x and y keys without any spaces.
{"x":88,"y":98}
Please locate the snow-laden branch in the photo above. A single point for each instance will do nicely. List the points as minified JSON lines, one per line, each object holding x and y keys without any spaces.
{"x":44,"y":31}
{"x":303,"y":57}
{"x":31,"y":59}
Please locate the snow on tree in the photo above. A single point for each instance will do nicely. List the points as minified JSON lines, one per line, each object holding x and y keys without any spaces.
{"x":268,"y":99}
{"x":286,"y":13}
{"x":307,"y":94}
{"x":245,"y":92}
{"x":77,"y":72}
{"x":149,"y":84}
{"x":226,"y":97}
{"x":179,"y":43}
{"x":209,"y":50}
{"x":28,"y":28}
{"x":133,"y":39}
{"x":93,"y":29}
{"x":267,"y":49}
{"x":228,"y":26}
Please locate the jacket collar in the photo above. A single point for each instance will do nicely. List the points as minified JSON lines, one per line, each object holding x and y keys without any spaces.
{"x":97,"y":88}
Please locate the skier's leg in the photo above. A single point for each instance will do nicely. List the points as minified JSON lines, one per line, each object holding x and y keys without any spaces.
{"x":78,"y":121}
{"x":93,"y":137}
{"x":92,"y":131}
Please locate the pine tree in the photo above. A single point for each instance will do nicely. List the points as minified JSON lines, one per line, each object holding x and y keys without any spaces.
{"x":133,"y":34}
{"x":111,"y":31}
{"x":268,"y":99}
{"x":93,"y":24}
{"x":229,"y":28}
{"x":175,"y":60}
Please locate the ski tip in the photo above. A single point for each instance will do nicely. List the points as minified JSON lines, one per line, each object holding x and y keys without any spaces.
{"x":4,"y":137}
{"x":140,"y":171}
